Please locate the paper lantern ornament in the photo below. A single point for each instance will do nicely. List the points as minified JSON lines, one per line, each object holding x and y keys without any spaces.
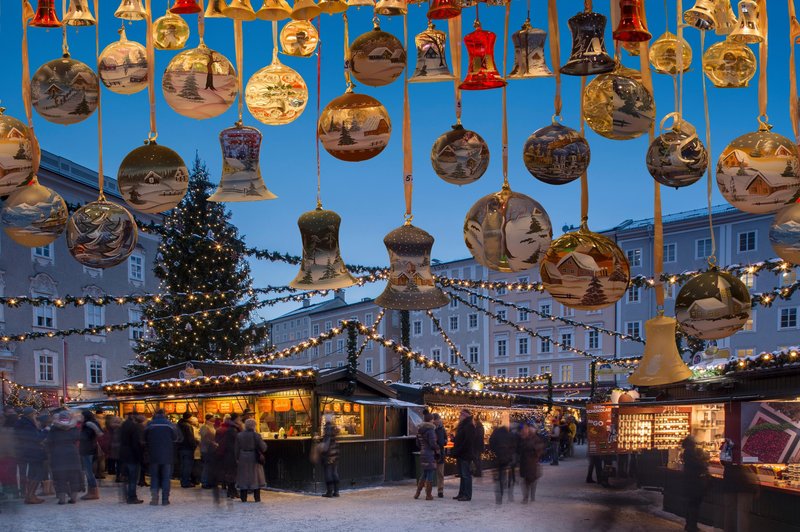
{"x":431,"y":57}
{"x":529,"y":53}
{"x":34,"y":215}
{"x":729,"y":64}
{"x":507,"y":231}
{"x":241,"y":169}
{"x":556,"y":154}
{"x":153,"y":178}
{"x":354,"y":127}
{"x":617,"y":106}
{"x":200,"y":83}
{"x":758,"y":172}
{"x":170,"y":32}
{"x":460,"y":156}
{"x":666,"y":52}
{"x":101,"y":234}
{"x":677,"y":158}
{"x":784,"y":233}
{"x":16,"y":154}
{"x":322,"y":267}
{"x":123,"y":66}
{"x":276,"y":94}
{"x":299,"y":38}
{"x":584,"y":270}
{"x":712,"y":305}
{"x":377,"y":58}
{"x":64,"y":91}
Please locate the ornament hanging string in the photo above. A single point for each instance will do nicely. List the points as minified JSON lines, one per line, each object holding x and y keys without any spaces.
{"x":555,"y":51}
{"x":794,"y":38}
{"x":201,"y":22}
{"x":151,"y":69}
{"x":712,"y":259}
{"x":64,"y":43}
{"x":347,"y":59}
{"x":100,"y":172}
{"x":587,"y":7}
{"x":454,"y":27}
{"x":504,"y":130}
{"x":679,"y":85}
{"x":238,"y":42}
{"x":27,"y":14}
{"x":408,"y":174}
{"x":319,"y":97}
{"x":762,"y":59}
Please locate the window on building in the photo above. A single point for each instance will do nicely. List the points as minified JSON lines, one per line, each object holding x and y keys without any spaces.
{"x":473,"y":299}
{"x":522,"y":313}
{"x":747,"y":241}
{"x":368,"y":318}
{"x":501,"y":372}
{"x":328,"y":326}
{"x":702,"y":248}
{"x":328,"y":347}
{"x":524,"y":280}
{"x":453,"y":358}
{"x":44,"y":315}
{"x":472,"y":319}
{"x":327,"y":365}
{"x":368,"y":366}
{"x":671,"y":252}
{"x":633,"y":328}
{"x":137,"y":331}
{"x":473,"y":354}
{"x":522,"y":372}
{"x":453,"y":323}
{"x":634,"y":257}
{"x":46,"y":366}
{"x":669,"y":290}
{"x":416,"y":328}
{"x":340,"y":364}
{"x":501,"y":316}
{"x":44,"y":252}
{"x":750,"y":324}
{"x":545,"y":346}
{"x":453,"y":303}
{"x":788,"y":318}
{"x":95,"y":370}
{"x":749,"y":279}
{"x":315,"y":329}
{"x":501,"y":291}
{"x":315,"y":352}
{"x":565,"y":337}
{"x":634,"y":294}
{"x":745,"y":352}
{"x":95,"y":316}
{"x":592,"y":339}
{"x":136,"y":267}
{"x":567,"y":312}
{"x":566,"y":372}
{"x":339,"y":345}
{"x":545,"y":368}
{"x":546,"y":308}
{"x":436,"y":354}
{"x":522,"y":345}
{"x":501,"y":347}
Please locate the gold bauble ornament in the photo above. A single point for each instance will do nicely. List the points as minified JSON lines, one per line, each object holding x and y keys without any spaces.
{"x":64,"y":91}
{"x":299,"y":38}
{"x":34,"y":215}
{"x":663,"y":54}
{"x":729,"y":64}
{"x":200,"y":83}
{"x":123,"y":66}
{"x":712,"y":305}
{"x":784,"y":233}
{"x":377,"y":58}
{"x":170,"y":32}
{"x":101,"y":234}
{"x":153,"y":178}
{"x":354,"y":127}
{"x":276,"y":94}
{"x":460,"y":156}
{"x":17,"y":151}
{"x":617,"y":106}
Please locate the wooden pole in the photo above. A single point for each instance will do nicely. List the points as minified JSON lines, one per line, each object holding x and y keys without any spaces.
{"x":405,"y":339}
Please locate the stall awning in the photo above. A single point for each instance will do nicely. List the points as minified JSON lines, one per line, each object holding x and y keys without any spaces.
{"x":375,"y":401}
{"x":190,"y":396}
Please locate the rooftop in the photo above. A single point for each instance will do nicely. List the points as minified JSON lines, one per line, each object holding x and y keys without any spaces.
{"x":77,"y":173}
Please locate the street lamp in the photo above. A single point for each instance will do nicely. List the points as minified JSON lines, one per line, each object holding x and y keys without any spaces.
{"x":80,"y":389}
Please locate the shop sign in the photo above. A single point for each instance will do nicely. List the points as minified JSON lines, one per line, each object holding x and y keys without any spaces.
{"x":601,"y":428}
{"x":283,"y":405}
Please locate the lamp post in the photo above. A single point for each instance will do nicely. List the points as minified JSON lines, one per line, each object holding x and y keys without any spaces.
{"x":80,"y":389}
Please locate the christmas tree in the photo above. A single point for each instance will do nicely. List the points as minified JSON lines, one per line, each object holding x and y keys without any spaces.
{"x":83,"y":108}
{"x":200,"y":251}
{"x":189,"y":90}
{"x":345,"y":139}
{"x":594,"y":294}
{"x":166,"y":82}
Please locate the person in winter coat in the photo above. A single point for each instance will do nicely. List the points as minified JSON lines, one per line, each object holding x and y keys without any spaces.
{"x":225,"y":455}
{"x":464,"y":453}
{"x":208,"y":445}
{"x":572,"y":429}
{"x":131,"y":454}
{"x":531,"y":447}
{"x":428,"y":451}
{"x":555,"y":441}
{"x":695,"y":479}
{"x":30,"y":453}
{"x":65,"y":461}
{"x":90,"y":431}
{"x":329,"y":455}
{"x":8,"y":460}
{"x":186,"y":450}
{"x":250,"y":449}
{"x":479,"y":446}
{"x":108,"y":446}
{"x":441,"y":441}
{"x":161,"y":435}
{"x":502,"y":443}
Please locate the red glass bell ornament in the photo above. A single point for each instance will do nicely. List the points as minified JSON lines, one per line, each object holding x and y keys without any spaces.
{"x":46,"y":16}
{"x":632,"y":24}
{"x":185,"y":7}
{"x":443,"y":9}
{"x":482,"y":73}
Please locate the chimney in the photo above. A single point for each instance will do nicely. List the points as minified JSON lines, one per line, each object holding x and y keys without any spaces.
{"x":339,"y":294}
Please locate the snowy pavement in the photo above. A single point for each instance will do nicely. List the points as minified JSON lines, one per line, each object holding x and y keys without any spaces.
{"x":564,"y":503}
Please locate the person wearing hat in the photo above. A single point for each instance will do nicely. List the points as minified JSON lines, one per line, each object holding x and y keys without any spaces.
{"x":90,"y":431}
{"x":30,"y":453}
{"x":464,"y":453}
{"x":695,"y":480}
{"x":65,"y":462}
{"x":208,"y":445}
{"x":186,"y":450}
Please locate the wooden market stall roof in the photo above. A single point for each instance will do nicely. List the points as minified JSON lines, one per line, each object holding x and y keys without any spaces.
{"x":424,"y":394}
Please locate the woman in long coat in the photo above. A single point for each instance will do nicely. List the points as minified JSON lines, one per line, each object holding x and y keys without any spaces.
{"x":249,"y":471}
{"x":531,"y":448}
{"x":428,"y":451}
{"x":65,"y":461}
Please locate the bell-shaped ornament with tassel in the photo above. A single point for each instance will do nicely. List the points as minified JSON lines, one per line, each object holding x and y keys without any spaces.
{"x":529,"y":59}
{"x":215,"y":9}
{"x":662,"y":363}
{"x":431,"y":58}
{"x":321,"y":267}
{"x":46,"y":16}
{"x":131,"y":10}
{"x":482,"y":73}
{"x":748,"y":30}
{"x":79,"y":14}
{"x":589,"y":54}
{"x":274,"y":10}
{"x":241,"y":172}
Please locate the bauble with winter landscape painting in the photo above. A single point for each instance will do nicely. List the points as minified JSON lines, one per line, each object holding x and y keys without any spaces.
{"x":34,"y":215}
{"x":556,"y":154}
{"x":460,"y":156}
{"x":101,"y":234}
{"x":618,"y":106}
{"x":354,"y":127}
{"x":784,"y":233}
{"x":64,"y":91}
{"x":17,"y":147}
{"x":200,"y":83}
{"x":378,"y":58}
{"x":123,"y":66}
{"x":712,"y":305}
{"x":677,"y":157}
{"x":153,"y":178}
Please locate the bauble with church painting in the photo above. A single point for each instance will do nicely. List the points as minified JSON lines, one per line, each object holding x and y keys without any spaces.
{"x":712,"y":305}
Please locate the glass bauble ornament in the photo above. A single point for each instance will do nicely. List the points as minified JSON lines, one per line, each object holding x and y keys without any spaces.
{"x":507,"y":231}
{"x":460,"y":156}
{"x":759,"y":172}
{"x":123,"y":66}
{"x":299,"y":38}
{"x":677,"y":158}
{"x":322,"y":267}
{"x":34,"y":215}
{"x":354,"y":127}
{"x":585,"y":270}
{"x":617,"y":106}
{"x":17,"y":152}
{"x":276,"y":94}
{"x":153,"y":178}
{"x":729,"y":64}
{"x":200,"y":83}
{"x":170,"y":32}
{"x":101,"y":234}
{"x":64,"y":91}
{"x":664,"y":54}
{"x":712,"y":305}
{"x":784,"y":233}
{"x":632,"y":48}
{"x":556,"y":154}
{"x":377,"y":58}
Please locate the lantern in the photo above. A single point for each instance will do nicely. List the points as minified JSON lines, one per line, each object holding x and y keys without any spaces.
{"x":632,"y":25}
{"x":443,"y":9}
{"x":240,"y":10}
{"x":299,"y":38}
{"x":556,"y":154}
{"x":377,"y":58}
{"x":200,"y":83}
{"x":45,"y":16}
{"x":431,"y":57}
{"x":507,"y":231}
{"x":529,"y":53}
{"x":662,"y":363}
{"x":712,"y":305}
{"x":274,"y":10}
{"x":64,"y":91}
{"x":784,"y":233}
{"x":664,"y":52}
{"x":101,"y":234}
{"x":304,"y":10}
{"x":460,"y":156}
{"x":759,"y":172}
{"x":131,"y":10}
{"x":589,"y":54}
{"x":153,"y":178}
{"x":617,"y":105}
{"x":701,"y":15}
{"x":170,"y":32}
{"x":215,"y":9}
{"x":17,"y":152}
{"x":584,"y":270}
{"x":354,"y":127}
{"x":729,"y":64}
{"x":748,"y":30}
{"x":123,"y":66}
{"x":321,"y":267}
{"x":79,"y":14}
{"x":411,"y":285}
{"x":677,"y":158}
{"x":185,"y":7}
{"x":276,"y":94}
{"x":241,"y":170}
{"x":34,"y":215}
{"x":332,"y":7}
{"x":391,"y":8}
{"x":482,"y":73}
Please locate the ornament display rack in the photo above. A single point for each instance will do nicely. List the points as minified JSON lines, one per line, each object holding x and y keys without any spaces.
{"x":653,"y":430}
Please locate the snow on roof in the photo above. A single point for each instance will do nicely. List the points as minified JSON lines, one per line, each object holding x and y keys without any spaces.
{"x":583,"y":260}
{"x":709,"y":303}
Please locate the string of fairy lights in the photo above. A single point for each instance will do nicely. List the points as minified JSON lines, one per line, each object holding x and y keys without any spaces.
{"x":453,"y":349}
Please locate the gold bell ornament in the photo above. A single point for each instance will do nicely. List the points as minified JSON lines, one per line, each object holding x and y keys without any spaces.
{"x":391,"y":8}
{"x":618,"y":106}
{"x":34,"y":215}
{"x":361,"y":3}
{"x":354,"y":127}
{"x":153,"y":178}
{"x":411,"y":285}
{"x":299,"y":38}
{"x":724,"y":18}
{"x":701,"y":15}
{"x":17,"y":152}
{"x":170,"y":32}
{"x":215,"y":9}
{"x":332,"y":7}
{"x":556,"y":154}
{"x":482,"y":72}
{"x":276,"y":94}
{"x":240,"y":10}
{"x":784,"y":233}
{"x":131,"y":10}
{"x":589,"y":54}
{"x":123,"y":66}
{"x":677,"y":157}
{"x":712,"y":305}
{"x":377,"y":57}
{"x":305,"y":10}
{"x":79,"y":14}
{"x":585,"y":270}
{"x":274,"y":10}
{"x":431,"y":57}
{"x":748,"y":30}
{"x":321,"y":267}
{"x":64,"y":91}
{"x":759,"y":172}
{"x":101,"y":234}
{"x":507,"y":231}
{"x":529,"y":59}
{"x":664,"y":54}
{"x":241,"y":169}
{"x":200,"y":83}
{"x":460,"y":156}
{"x":662,"y":363}
{"x":729,"y":64}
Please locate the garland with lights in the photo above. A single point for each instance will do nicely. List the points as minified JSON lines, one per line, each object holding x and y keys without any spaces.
{"x":449,"y":342}
{"x":765,"y":360}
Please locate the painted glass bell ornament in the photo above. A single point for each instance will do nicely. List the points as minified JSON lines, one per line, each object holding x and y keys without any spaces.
{"x":589,"y":54}
{"x":784,"y":233}
{"x":556,"y":154}
{"x":64,"y":91}
{"x":153,"y":178}
{"x":200,"y":83}
{"x":482,"y":73}
{"x":170,"y":32}
{"x":729,"y":64}
{"x":724,"y":18}
{"x":664,"y":54}
{"x":677,"y":157}
{"x":321,"y":267}
{"x":618,"y":106}
{"x":299,"y":38}
{"x":34,"y":215}
{"x":354,"y":127}
{"x":185,"y":7}
{"x":361,"y":3}
{"x":662,"y":363}
{"x":443,"y":9}
{"x":79,"y":14}
{"x":101,"y":234}
{"x":305,"y":10}
{"x":241,"y":166}
{"x":431,"y":57}
{"x":17,"y":152}
{"x":45,"y":16}
{"x":391,"y":8}
{"x":123,"y":66}
{"x":712,"y":305}
{"x":529,"y":59}
{"x":460,"y":156}
{"x":131,"y":10}
{"x":632,"y":25}
{"x":276,"y":94}
{"x":377,"y":57}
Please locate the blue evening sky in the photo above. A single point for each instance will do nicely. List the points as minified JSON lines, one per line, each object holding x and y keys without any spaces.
{"x":369,"y":195}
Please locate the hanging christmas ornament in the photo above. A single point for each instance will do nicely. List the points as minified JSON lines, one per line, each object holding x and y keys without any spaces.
{"x":377,"y":57}
{"x":305,"y":10}
{"x":617,"y":105}
{"x":460,"y":156}
{"x":507,"y":231}
{"x":170,"y":32}
{"x":101,"y":234}
{"x":529,"y":53}
{"x":123,"y":66}
{"x":584,"y":270}
{"x":443,"y":9}
{"x":241,"y":169}
{"x":131,"y":10}
{"x":664,"y":52}
{"x":759,"y":172}
{"x":79,"y":14}
{"x":276,"y":94}
{"x":215,"y":9}
{"x":274,"y":10}
{"x":332,"y":7}
{"x":34,"y":215}
{"x":748,"y":30}
{"x":240,"y":10}
{"x":632,"y":48}
{"x":186,"y":7}
{"x":712,"y":305}
{"x":729,"y":65}
{"x":299,"y":38}
{"x":391,"y":8}
{"x":482,"y":72}
{"x":701,"y":15}
{"x":724,"y":18}
{"x":354,"y":127}
{"x":411,"y":285}
{"x":45,"y":16}
{"x":556,"y":154}
{"x":153,"y":178}
{"x":431,"y":57}
{"x":589,"y":54}
{"x":662,"y":363}
{"x":361,"y":3}
{"x":200,"y":83}
{"x":632,"y":25}
{"x":677,"y":158}
{"x":64,"y":91}
{"x":321,"y":267}
{"x":784,"y":233}
{"x":17,"y":150}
